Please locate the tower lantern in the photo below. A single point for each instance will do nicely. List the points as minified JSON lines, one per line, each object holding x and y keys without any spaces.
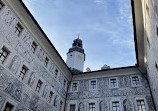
{"x":76,"y":56}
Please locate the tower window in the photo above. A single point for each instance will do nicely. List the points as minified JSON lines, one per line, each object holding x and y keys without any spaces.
{"x":46,"y":62}
{"x":113,"y":83}
{"x":38,"y":87}
{"x":140,"y":105}
{"x":74,"y":86}
{"x":91,"y":106}
{"x":8,"y":107}
{"x":93,"y":85}
{"x":72,"y":107}
{"x":23,"y":72}
{"x":1,"y":5}
{"x":50,"y":96}
{"x":18,"y":29}
{"x":3,"y":55}
{"x":116,"y":107}
{"x":135,"y":81}
{"x":33,"y":47}
{"x":56,"y":73}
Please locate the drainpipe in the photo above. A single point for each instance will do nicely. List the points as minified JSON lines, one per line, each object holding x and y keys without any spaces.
{"x":67,"y":93}
{"x":146,"y":77}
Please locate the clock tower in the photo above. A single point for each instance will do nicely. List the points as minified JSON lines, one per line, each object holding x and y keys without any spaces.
{"x":76,"y":56}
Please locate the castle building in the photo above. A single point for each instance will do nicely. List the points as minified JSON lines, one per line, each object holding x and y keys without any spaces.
{"x":34,"y":77}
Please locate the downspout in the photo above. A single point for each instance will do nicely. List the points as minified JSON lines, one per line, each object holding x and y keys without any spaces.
{"x":67,"y":93}
{"x":146,"y":77}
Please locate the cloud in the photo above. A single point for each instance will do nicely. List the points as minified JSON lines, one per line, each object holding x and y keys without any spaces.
{"x":99,"y":1}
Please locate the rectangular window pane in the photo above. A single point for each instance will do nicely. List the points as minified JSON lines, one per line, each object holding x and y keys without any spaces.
{"x":8,"y":107}
{"x":33,"y":47}
{"x":141,"y":105}
{"x":91,"y":106}
{"x":39,"y":84}
{"x":115,"y":106}
{"x":135,"y":81}
{"x":18,"y":29}
{"x":74,"y":86}
{"x":113,"y":83}
{"x":72,"y":107}
{"x":1,"y":5}
{"x":23,"y":72}
{"x":93,"y":85}
{"x":3,"y":55}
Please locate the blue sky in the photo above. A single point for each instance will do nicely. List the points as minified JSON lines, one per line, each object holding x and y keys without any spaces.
{"x":105,"y":27}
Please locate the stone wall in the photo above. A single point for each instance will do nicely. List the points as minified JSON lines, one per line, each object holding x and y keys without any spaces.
{"x":21,"y":93}
{"x":150,"y":14}
{"x":126,"y":94}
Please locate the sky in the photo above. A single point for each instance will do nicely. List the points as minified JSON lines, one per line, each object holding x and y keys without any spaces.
{"x":105,"y":27}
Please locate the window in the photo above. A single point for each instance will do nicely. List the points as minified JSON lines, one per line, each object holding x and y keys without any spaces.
{"x":23,"y":72}
{"x":8,"y":107}
{"x":64,"y":83}
{"x":56,"y":73}
{"x":93,"y":84}
{"x":140,"y":105}
{"x":61,"y":104}
{"x":33,"y":47}
{"x":91,"y":106}
{"x":1,"y":5}
{"x":115,"y":106}
{"x":156,"y":66}
{"x":50,"y":96}
{"x":18,"y":29}
{"x":3,"y":55}
{"x":39,"y":84}
{"x":74,"y":86}
{"x":135,"y":81}
{"x":72,"y":107}
{"x":46,"y":62}
{"x":113,"y":83}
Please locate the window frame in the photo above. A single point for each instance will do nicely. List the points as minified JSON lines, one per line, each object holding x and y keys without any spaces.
{"x":22,"y":73}
{"x":46,"y":61}
{"x":72,"y":86}
{"x":93,"y":106}
{"x":132,"y":80}
{"x":2,"y":4}
{"x":90,"y":84}
{"x":33,"y":47}
{"x":16,"y":29}
{"x":117,"y":83}
{"x":50,"y":97}
{"x":118,"y":104}
{"x":141,"y":98}
{"x":72,"y":105}
{"x":4,"y":49}
{"x":38,"y":91}
{"x":10,"y":102}
{"x":56,"y":73}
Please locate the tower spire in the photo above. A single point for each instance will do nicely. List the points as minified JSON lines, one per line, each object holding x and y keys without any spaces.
{"x":78,"y":35}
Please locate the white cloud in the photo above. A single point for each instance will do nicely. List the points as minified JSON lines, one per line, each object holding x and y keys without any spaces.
{"x":99,"y":1}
